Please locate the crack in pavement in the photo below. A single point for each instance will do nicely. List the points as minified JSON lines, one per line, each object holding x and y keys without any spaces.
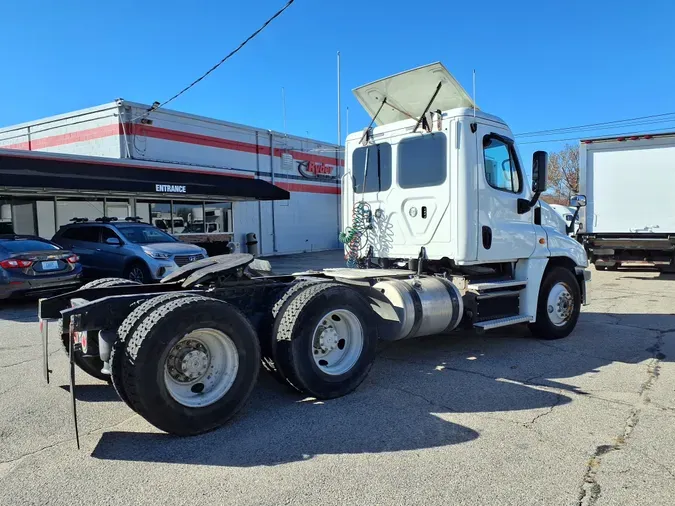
{"x":559,"y":399}
{"x":5,"y":366}
{"x":7,"y":464}
{"x":590,"y":489}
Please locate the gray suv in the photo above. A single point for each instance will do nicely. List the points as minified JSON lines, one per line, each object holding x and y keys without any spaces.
{"x":129,"y":249}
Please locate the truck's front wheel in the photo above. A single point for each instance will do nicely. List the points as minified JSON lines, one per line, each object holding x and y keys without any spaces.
{"x":558,"y":306}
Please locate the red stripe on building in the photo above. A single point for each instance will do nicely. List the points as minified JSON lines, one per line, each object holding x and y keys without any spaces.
{"x":70,"y":138}
{"x":163,"y":134}
{"x":308,"y":188}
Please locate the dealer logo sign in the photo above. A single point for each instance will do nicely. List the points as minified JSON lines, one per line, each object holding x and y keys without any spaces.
{"x":170,"y":188}
{"x":313,"y":170}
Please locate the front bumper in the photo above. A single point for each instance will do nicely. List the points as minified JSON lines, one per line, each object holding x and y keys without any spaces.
{"x":584,"y":277}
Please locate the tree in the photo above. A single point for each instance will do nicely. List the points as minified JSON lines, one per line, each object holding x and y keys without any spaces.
{"x":563,"y":173}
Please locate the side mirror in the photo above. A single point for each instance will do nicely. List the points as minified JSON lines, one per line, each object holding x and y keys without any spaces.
{"x":113,"y":241}
{"x":539,"y":171}
{"x":578,"y":201}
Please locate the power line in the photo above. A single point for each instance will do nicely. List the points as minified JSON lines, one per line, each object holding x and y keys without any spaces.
{"x":622,"y":134}
{"x":232,"y":53}
{"x":570,"y":129}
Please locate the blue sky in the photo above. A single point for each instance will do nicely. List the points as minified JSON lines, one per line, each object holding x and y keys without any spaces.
{"x":539,"y":64}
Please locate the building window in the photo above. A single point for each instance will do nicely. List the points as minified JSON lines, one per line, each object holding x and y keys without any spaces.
{"x":6,"y":226}
{"x":192,"y":216}
{"x":218,"y":217}
{"x":422,"y":161}
{"x":501,"y":165}
{"x":155,"y":213}
{"x":378,"y":174}
{"x":69,"y":208}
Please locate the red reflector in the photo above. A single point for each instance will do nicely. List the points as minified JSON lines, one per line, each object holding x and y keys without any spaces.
{"x":73,"y":259}
{"x":11,"y":263}
{"x":620,"y":139}
{"x":635,"y":137}
{"x":647,"y":137}
{"x":15,"y":283}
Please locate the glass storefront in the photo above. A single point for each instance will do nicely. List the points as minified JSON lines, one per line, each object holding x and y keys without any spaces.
{"x":188,"y":220}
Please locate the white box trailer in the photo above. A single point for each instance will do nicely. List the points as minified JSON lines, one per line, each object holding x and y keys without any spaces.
{"x":630,"y":214}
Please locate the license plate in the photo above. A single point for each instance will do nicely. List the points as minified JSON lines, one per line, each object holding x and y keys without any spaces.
{"x":50,"y":266}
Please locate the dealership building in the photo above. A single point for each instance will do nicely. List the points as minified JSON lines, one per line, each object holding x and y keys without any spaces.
{"x":203,"y":180}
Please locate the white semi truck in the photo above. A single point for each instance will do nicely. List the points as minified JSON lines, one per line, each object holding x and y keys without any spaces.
{"x":628,"y":184}
{"x":443,"y":231}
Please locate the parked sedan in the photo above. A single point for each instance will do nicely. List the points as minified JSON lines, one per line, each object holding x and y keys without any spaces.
{"x":32,"y":266}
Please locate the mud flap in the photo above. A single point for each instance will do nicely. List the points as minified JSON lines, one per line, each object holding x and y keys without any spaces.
{"x":74,"y":322}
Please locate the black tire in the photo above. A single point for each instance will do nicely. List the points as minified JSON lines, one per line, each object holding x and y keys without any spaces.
{"x":137,"y":271}
{"x":125,"y":331}
{"x":266,"y":330}
{"x":90,"y":365}
{"x":544,"y":328}
{"x":147,"y":350}
{"x":97,"y":282}
{"x":294,"y":331}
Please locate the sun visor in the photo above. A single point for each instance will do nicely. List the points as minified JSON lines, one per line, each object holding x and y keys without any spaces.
{"x":410,"y":91}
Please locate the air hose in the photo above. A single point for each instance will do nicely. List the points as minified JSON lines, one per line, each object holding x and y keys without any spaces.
{"x":352,"y":235}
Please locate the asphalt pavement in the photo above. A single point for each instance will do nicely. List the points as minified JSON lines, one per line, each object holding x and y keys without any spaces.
{"x":498,"y":419}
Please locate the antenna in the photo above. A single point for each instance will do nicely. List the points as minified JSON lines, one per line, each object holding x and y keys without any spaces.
{"x":283,"y":108}
{"x":473,"y":99}
{"x":347,"y":120}
{"x":339,"y":129}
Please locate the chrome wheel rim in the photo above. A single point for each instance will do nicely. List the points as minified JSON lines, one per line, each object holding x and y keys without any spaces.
{"x":337,"y":342}
{"x":560,"y":304}
{"x":201,"y":368}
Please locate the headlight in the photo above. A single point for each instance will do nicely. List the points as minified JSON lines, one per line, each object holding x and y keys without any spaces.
{"x":158,"y":255}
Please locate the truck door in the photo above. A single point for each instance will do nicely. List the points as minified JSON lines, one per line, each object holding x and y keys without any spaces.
{"x":503,"y":233}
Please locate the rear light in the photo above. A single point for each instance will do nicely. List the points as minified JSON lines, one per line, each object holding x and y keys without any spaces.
{"x":73,"y":259}
{"x":15,"y":264}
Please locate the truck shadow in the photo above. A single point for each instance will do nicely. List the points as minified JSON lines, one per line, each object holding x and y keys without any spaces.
{"x":411,"y":396}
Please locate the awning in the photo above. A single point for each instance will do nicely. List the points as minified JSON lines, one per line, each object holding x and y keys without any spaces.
{"x":48,"y":171}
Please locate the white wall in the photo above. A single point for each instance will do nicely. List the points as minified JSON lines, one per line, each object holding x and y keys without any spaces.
{"x":93,"y":132}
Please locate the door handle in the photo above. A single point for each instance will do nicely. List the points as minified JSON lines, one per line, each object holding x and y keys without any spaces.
{"x":487,"y":237}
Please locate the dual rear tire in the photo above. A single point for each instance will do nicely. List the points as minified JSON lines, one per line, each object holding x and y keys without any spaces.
{"x":186,"y":363}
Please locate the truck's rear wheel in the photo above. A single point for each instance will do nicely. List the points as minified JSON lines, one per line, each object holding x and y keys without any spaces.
{"x":558,"y":306}
{"x":266,"y":330}
{"x":191,"y":365}
{"x":125,"y":331}
{"x":326,"y":337}
{"x":91,"y":364}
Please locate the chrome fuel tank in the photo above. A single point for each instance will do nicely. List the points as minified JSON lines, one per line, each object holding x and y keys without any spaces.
{"x":425,"y":306}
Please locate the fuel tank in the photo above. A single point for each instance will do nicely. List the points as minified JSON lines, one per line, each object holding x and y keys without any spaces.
{"x":425,"y":306}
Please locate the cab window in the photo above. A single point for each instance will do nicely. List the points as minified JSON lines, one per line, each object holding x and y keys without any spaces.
{"x":501,"y":165}
{"x":378,"y":173}
{"x":422,"y":161}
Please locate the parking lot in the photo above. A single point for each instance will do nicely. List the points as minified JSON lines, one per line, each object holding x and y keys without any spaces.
{"x":495,"y":419}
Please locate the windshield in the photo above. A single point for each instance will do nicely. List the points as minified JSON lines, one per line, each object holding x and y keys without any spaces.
{"x":23,"y":245}
{"x":144,"y":234}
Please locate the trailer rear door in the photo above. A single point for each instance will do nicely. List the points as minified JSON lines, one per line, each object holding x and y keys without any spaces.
{"x":629,"y":186}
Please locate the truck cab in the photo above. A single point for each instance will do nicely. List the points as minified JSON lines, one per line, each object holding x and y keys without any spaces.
{"x":447,"y":187}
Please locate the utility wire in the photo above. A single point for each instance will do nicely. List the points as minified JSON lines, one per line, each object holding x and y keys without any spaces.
{"x":622,"y":134}
{"x":620,"y":122}
{"x":232,"y":53}
{"x":608,"y":127}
